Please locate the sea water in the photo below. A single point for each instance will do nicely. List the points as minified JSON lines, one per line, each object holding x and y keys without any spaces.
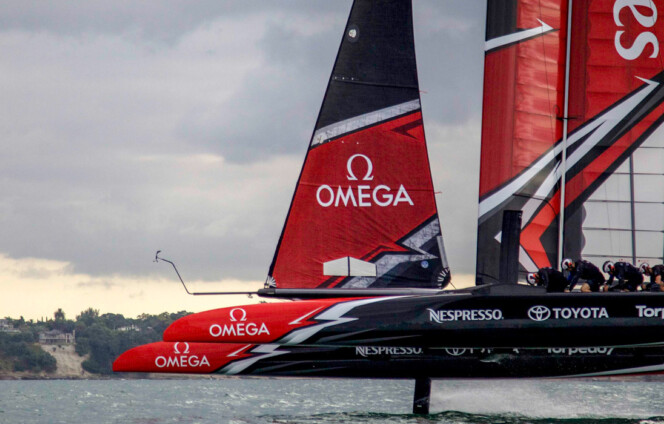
{"x":328,"y":401}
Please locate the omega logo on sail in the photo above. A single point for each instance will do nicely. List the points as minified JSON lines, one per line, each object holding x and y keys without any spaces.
{"x":238,"y":326}
{"x":645,"y":37}
{"x":361,"y":195}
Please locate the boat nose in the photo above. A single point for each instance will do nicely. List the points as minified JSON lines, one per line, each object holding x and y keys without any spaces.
{"x":138,"y":359}
{"x":190,"y":328}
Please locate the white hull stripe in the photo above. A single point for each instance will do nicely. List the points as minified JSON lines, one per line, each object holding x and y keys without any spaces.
{"x":361,"y":121}
{"x":636,"y":370}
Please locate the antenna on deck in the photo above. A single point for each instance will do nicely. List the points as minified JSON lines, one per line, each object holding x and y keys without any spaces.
{"x":157,"y":259}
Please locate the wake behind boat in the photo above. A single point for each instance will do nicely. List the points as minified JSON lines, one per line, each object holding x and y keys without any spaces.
{"x":573,"y":99}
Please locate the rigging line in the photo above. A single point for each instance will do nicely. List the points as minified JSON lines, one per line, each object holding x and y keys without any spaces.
{"x":599,"y":255}
{"x":638,"y":202}
{"x":632,"y":207}
{"x":648,"y":174}
{"x":661,"y":65}
{"x":621,"y":229}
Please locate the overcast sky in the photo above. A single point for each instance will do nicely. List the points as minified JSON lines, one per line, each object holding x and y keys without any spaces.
{"x":129,"y":127}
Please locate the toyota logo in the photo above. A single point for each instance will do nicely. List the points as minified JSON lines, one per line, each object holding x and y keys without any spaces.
{"x":539,"y":313}
{"x":455,"y":352}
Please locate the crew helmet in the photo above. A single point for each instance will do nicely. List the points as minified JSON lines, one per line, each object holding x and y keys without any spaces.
{"x":607,"y":267}
{"x":531,"y":278}
{"x":566,"y":264}
{"x":644,"y":268}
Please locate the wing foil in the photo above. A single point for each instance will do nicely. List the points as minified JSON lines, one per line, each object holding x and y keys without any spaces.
{"x":615,"y":105}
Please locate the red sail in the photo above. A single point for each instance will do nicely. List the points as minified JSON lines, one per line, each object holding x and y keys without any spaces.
{"x":614,"y":192}
{"x":612,"y":110}
{"x":363,"y":213}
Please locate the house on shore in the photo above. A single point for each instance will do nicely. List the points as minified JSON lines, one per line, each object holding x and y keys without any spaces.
{"x":6,"y":327}
{"x":57,"y":337}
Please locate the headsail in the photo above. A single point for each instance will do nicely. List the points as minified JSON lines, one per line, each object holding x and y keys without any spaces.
{"x":614,"y":104}
{"x":363,"y":213}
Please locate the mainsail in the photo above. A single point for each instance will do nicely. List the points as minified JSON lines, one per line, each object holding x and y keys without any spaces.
{"x":363,"y":213}
{"x":535,"y":137}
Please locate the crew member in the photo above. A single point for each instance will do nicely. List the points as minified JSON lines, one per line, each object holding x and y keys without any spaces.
{"x":628,"y":276}
{"x":583,"y":270}
{"x":656,"y":284}
{"x":553,"y":280}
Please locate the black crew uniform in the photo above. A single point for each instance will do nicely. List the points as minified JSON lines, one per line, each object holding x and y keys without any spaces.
{"x":654,"y":272}
{"x":629,"y":277}
{"x":585,"y":270}
{"x":552,"y":279}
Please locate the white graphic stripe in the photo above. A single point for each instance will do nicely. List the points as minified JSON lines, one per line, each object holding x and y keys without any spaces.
{"x":517,"y":36}
{"x":599,"y":128}
{"x":636,"y":370}
{"x":237,"y":352}
{"x":239,"y":366}
{"x":334,"y":315}
{"x":299,"y":320}
{"x":357,"y":122}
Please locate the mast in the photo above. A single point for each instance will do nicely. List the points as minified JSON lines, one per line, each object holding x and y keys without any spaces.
{"x":632,"y":207}
{"x":563,"y":163}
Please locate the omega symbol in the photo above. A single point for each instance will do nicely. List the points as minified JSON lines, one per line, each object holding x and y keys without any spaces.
{"x":243,"y":314}
{"x":351,"y":176}
{"x":186,"y":347}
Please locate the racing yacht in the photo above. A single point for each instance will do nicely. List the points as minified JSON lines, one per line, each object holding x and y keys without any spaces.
{"x":570,"y":167}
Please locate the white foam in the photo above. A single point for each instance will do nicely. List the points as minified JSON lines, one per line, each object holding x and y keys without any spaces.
{"x":549,"y":398}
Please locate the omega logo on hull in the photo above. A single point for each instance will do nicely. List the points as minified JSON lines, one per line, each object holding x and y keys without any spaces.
{"x":181,"y":360}
{"x":238,"y":326}
{"x":361,"y":195}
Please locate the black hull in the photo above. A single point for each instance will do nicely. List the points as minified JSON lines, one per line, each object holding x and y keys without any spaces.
{"x":459,"y":363}
{"x":499,"y":316}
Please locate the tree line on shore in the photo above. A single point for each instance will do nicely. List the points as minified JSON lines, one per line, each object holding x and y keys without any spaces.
{"x":102,"y":337}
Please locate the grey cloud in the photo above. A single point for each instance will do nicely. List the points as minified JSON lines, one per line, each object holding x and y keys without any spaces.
{"x":157,"y":21}
{"x":111,"y":109}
